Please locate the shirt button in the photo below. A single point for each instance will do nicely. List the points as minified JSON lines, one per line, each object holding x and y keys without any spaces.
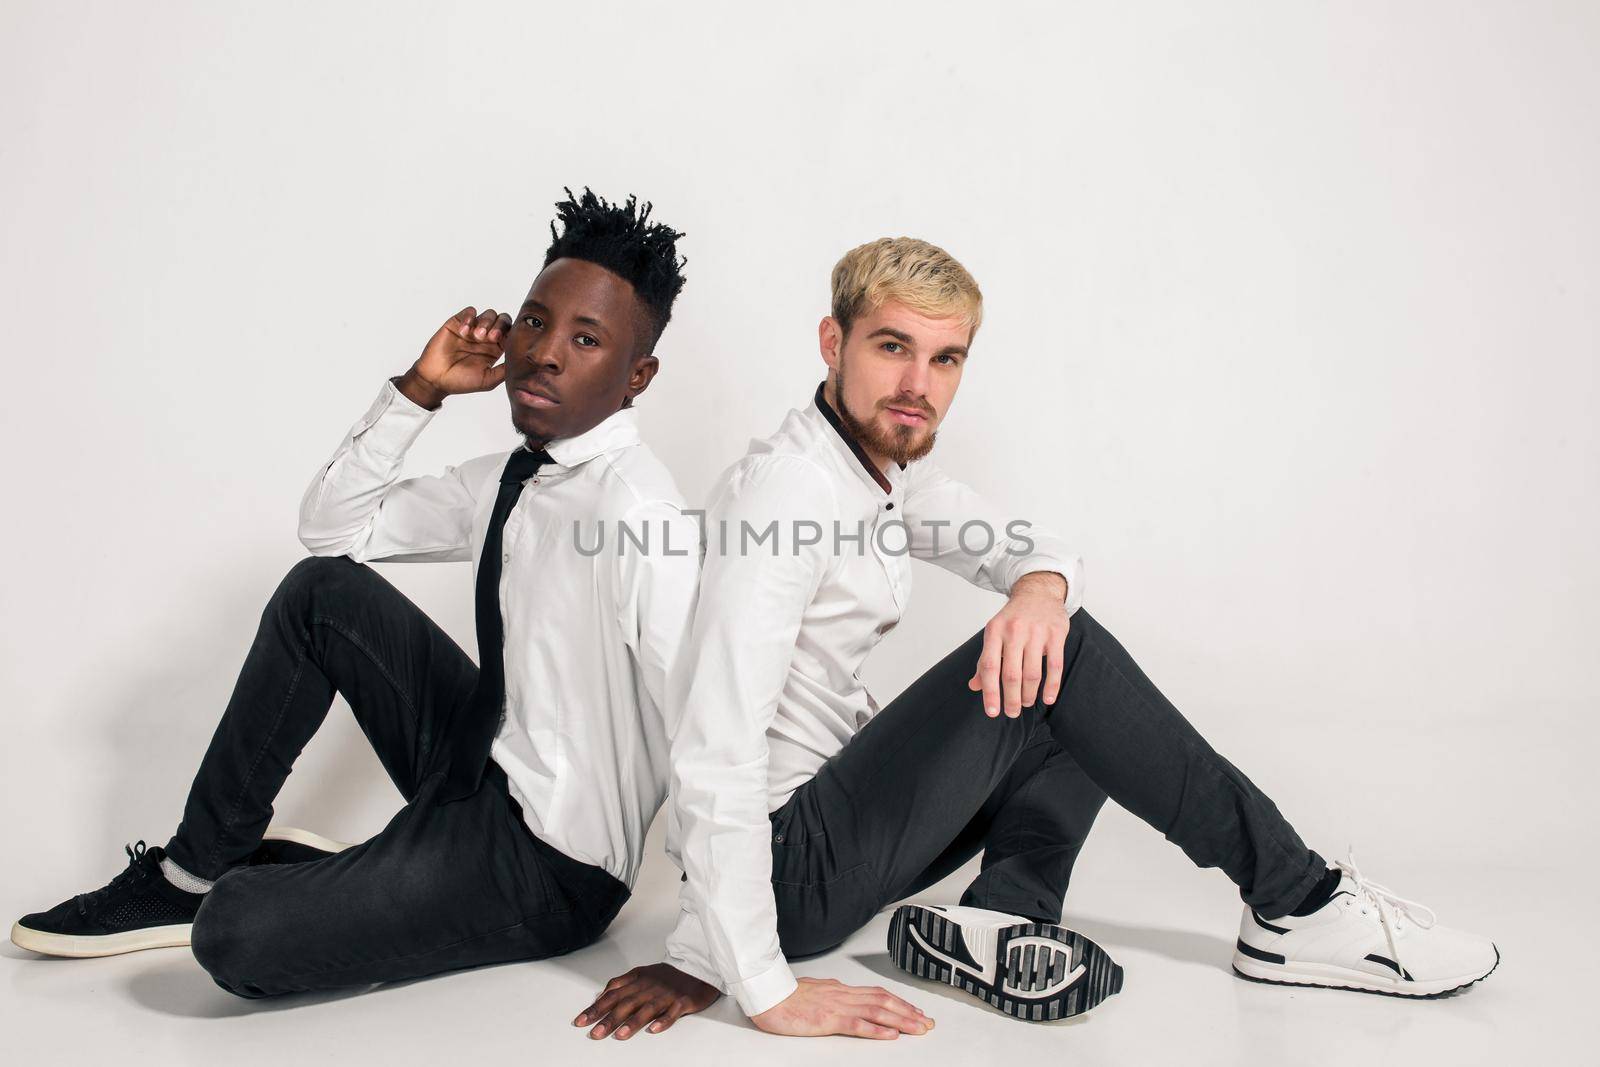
{"x":506,"y":558}
{"x":778,"y":838}
{"x":535,"y":481}
{"x":889,"y":506}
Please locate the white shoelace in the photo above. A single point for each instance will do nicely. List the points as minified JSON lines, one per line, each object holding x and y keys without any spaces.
{"x":1388,"y":904}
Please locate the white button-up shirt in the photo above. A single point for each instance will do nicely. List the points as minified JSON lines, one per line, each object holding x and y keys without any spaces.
{"x":593,"y":618}
{"x":769,"y":685}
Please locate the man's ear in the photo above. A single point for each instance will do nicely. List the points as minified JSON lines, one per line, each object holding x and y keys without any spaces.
{"x":830,"y":340}
{"x":640,"y":377}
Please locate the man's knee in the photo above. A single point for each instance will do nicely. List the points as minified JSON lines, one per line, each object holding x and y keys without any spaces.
{"x":227,"y":940}
{"x":1082,"y":625}
{"x":315,"y":577}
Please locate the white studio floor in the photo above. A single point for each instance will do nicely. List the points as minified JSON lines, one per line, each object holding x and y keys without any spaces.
{"x":1169,"y":924}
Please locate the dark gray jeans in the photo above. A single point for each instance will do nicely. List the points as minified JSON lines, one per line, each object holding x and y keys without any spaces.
{"x":931,"y":780}
{"x":443,"y":886}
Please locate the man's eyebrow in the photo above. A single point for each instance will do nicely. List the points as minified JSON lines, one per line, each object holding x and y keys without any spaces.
{"x":953,"y":350}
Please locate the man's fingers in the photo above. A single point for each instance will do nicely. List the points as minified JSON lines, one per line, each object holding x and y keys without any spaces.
{"x":1032,"y":668}
{"x":885,"y":999}
{"x":483,"y":324}
{"x":461,"y":322}
{"x":601,"y":1007}
{"x":856,"y":1026}
{"x":494,"y":376}
{"x":674,"y":1012}
{"x":493,"y":325}
{"x":989,"y":671}
{"x":628,"y":1001}
{"x":1054,"y":663}
{"x":638,"y":1019}
{"x":503,"y":324}
{"x":906,"y":1024}
{"x":1011,"y":654}
{"x":889,"y":1010}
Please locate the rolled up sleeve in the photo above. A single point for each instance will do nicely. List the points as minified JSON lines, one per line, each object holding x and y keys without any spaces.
{"x":953,"y":526}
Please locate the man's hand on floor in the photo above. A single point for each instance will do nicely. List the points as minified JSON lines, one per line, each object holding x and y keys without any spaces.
{"x":1023,"y":645}
{"x":655,"y":996}
{"x":822,"y":1006}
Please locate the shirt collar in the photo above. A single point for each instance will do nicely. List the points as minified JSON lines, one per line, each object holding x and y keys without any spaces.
{"x":886,"y":483}
{"x":617,"y":430}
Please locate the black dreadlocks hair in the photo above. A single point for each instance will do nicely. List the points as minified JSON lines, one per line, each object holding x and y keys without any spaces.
{"x":622,"y":240}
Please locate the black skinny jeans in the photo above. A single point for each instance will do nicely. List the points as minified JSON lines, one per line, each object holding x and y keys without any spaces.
{"x":931,"y":780}
{"x":443,"y":886}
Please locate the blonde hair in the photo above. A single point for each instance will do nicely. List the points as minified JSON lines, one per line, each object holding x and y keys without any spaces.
{"x":922,"y":276}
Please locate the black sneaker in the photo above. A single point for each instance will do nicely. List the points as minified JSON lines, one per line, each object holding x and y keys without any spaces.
{"x":286,"y":844}
{"x":137,"y":909}
{"x":1029,"y":970}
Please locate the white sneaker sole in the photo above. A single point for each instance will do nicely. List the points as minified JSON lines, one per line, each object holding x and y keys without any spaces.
{"x":304,"y":837}
{"x":85,"y":946}
{"x":80,"y":946}
{"x":1330,"y":976}
{"x":1032,"y":971}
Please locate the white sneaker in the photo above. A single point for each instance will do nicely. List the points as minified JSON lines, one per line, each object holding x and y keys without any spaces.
{"x":1366,"y":938}
{"x":1028,"y":970}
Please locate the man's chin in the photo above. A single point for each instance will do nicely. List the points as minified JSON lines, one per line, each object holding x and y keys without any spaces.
{"x":529,"y":424}
{"x":903,"y":444}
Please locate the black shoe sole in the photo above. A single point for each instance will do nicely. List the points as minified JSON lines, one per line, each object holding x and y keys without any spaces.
{"x":1040,"y":972}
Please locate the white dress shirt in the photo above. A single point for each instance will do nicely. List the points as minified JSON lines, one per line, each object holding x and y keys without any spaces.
{"x":769,"y":685}
{"x":589,"y":635}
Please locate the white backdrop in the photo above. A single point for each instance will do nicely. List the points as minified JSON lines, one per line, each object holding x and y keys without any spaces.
{"x":1292,"y":326}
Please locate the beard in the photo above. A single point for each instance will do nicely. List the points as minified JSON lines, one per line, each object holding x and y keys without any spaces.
{"x":902,"y":444}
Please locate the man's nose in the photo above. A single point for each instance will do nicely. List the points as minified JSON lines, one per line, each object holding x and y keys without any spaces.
{"x":914,"y":381}
{"x":543,"y":352}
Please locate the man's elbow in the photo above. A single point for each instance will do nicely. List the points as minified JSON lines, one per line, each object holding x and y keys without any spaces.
{"x":323,"y":542}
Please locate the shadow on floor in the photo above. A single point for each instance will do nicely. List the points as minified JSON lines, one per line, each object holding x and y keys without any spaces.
{"x":1181,"y":946}
{"x":180,"y":987}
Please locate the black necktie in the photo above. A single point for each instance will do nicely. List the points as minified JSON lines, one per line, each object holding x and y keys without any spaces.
{"x":478,"y":720}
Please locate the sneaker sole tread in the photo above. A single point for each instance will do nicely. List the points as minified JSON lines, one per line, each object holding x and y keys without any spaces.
{"x":1067,"y":973}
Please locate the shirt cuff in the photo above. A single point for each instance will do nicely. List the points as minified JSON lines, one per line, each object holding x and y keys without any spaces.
{"x":392,"y":423}
{"x":1070,"y":568}
{"x":766,"y":990}
{"x":694,"y":970}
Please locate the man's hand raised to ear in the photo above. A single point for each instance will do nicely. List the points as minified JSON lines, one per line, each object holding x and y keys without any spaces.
{"x":461,"y":357}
